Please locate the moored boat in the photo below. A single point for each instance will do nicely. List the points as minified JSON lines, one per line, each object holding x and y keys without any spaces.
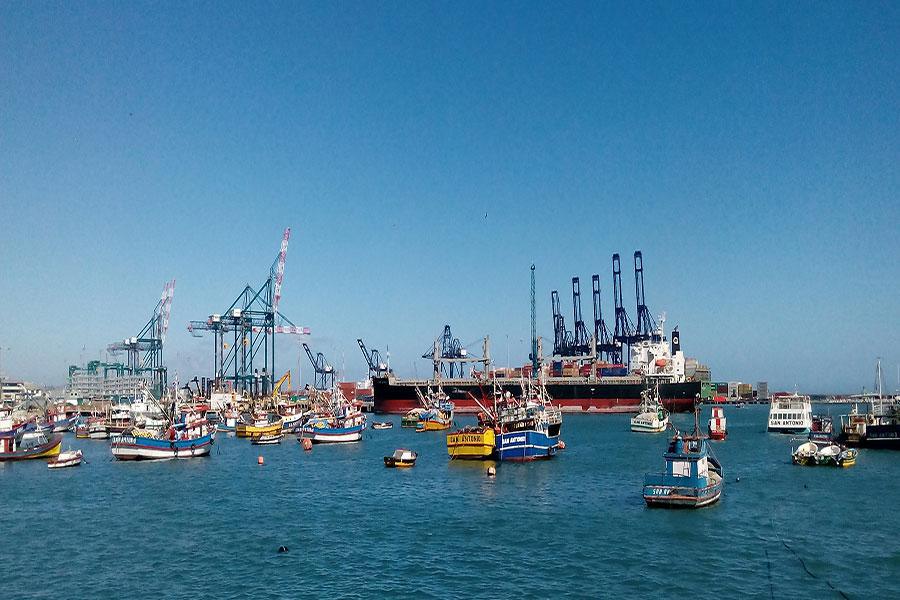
{"x":187,"y":437}
{"x":692,"y":477}
{"x":472,"y":443}
{"x":382,"y":425}
{"x":401,"y":458}
{"x":335,"y":420}
{"x":252,"y":425}
{"x":29,"y":444}
{"x":265,"y":440}
{"x":529,"y":426}
{"x":717,"y":428}
{"x":69,"y":458}
{"x":652,"y":416}
{"x":876,"y":427}
{"x":411,"y":418}
{"x":790,"y":413}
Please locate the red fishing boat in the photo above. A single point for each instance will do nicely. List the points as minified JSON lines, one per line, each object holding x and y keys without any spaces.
{"x":717,"y":428}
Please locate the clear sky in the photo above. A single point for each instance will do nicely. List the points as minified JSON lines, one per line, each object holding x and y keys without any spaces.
{"x":425,"y":154}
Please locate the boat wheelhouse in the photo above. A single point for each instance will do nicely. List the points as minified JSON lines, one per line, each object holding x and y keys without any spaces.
{"x":790,"y":413}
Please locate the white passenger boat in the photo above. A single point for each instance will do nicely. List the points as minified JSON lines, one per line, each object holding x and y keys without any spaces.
{"x":790,"y":413}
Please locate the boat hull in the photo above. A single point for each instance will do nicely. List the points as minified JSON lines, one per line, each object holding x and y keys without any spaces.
{"x":882,"y":437}
{"x":667,"y":496}
{"x":245,"y":430}
{"x":129,"y":447}
{"x":327,"y":435}
{"x":472,"y":445}
{"x":523,"y":446}
{"x":394,"y":396}
{"x":48,"y":450}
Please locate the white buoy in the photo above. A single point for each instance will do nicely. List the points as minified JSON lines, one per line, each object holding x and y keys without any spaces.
{"x":492,"y":472}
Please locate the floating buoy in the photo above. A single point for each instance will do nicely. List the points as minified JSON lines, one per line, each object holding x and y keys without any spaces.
{"x":260,"y":460}
{"x":282,"y":549}
{"x":492,"y":472}
{"x":737,"y":480}
{"x":561,"y":445}
{"x":307,"y":444}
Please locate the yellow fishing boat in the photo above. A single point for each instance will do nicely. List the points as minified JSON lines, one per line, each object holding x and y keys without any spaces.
{"x":261,"y":425}
{"x":471,"y":443}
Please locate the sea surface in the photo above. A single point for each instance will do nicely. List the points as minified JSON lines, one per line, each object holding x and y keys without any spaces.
{"x":575,"y":526}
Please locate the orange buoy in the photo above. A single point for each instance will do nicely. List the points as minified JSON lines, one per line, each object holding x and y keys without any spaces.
{"x":561,"y":445}
{"x":307,"y":444}
{"x":260,"y":460}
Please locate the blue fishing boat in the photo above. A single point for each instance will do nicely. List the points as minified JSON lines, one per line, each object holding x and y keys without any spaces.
{"x":529,"y":425}
{"x":189,"y":436}
{"x":334,"y":420}
{"x":693,"y":475}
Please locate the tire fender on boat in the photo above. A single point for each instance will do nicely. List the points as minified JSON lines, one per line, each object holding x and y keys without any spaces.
{"x":193,"y":449}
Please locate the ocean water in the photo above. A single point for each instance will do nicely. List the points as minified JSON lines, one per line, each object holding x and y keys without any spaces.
{"x":575,"y":526}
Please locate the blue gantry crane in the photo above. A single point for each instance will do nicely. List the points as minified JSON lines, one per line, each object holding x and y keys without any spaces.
{"x":645,"y":328}
{"x":324,"y":378}
{"x":144,"y":351}
{"x":377,"y":368}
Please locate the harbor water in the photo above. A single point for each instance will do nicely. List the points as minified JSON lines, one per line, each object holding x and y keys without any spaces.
{"x":575,"y":526}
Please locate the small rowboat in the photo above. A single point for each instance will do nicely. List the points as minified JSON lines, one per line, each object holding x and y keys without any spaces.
{"x":382,"y":425}
{"x":71,"y":458}
{"x":265,"y":440}
{"x":401,"y":458}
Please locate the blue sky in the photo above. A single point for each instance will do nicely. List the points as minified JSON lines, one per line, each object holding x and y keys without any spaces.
{"x":426,"y":154}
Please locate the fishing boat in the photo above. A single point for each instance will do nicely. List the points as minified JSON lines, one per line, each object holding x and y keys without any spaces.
{"x":266,"y":440}
{"x":790,"y":413}
{"x":335,"y":420}
{"x":529,"y":425}
{"x":472,"y":443}
{"x":401,"y":458}
{"x":188,"y":436}
{"x":69,"y":458}
{"x":652,"y":417}
{"x":878,"y":426}
{"x":97,"y":429}
{"x":382,"y":425}
{"x":716,"y":427}
{"x":118,"y":421}
{"x":259,"y":423}
{"x":411,"y":419}
{"x":29,"y":444}
{"x":9,"y":425}
{"x":82,"y":430}
{"x":692,"y":477}
{"x":827,"y":454}
{"x":822,"y":428}
{"x":438,"y":410}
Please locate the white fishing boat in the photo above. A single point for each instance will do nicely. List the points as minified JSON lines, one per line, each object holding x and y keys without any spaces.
{"x":652,"y":416}
{"x":790,"y":413}
{"x":69,"y":458}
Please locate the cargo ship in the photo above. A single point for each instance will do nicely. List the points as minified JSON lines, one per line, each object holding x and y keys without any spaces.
{"x":588,"y":389}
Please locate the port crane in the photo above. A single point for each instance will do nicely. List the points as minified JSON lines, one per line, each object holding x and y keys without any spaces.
{"x":624,"y":330}
{"x":581,"y":343}
{"x":245,"y":332}
{"x":606,"y":348}
{"x":324,"y":379}
{"x":645,"y":328}
{"x":535,"y":359}
{"x":449,"y":356}
{"x":562,"y":338}
{"x":373,"y":360}
{"x":144,"y":351}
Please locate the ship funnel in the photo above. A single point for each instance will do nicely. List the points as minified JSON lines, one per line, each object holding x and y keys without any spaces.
{"x":676,"y":341}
